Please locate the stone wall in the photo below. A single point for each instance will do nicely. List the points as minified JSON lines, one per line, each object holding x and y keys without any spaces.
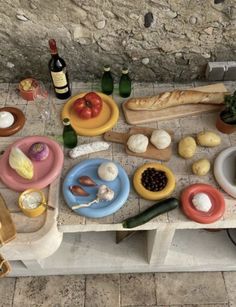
{"x":184,"y":36}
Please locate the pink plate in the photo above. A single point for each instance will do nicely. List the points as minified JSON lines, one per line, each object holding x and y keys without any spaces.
{"x":45,"y":172}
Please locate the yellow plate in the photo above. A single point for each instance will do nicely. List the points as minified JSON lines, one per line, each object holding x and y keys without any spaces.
{"x":143,"y":192}
{"x":94,"y":126}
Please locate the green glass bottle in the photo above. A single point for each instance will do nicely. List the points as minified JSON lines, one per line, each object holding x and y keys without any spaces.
{"x":107,"y":81}
{"x":125,"y":83}
{"x":69,"y":134}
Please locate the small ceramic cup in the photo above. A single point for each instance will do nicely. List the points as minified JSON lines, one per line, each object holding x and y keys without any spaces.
{"x":32,"y":212}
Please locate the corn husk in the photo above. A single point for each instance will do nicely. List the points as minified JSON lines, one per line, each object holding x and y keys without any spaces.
{"x":21,"y":163}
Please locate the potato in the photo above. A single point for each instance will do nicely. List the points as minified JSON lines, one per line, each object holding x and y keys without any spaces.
{"x":187,"y":147}
{"x":201,"y":167}
{"x":208,"y":139}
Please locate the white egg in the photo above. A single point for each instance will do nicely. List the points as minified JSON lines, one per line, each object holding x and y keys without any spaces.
{"x":6,"y":119}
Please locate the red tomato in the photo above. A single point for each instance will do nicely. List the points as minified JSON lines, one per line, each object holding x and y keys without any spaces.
{"x":86,"y":113}
{"x":88,"y":106}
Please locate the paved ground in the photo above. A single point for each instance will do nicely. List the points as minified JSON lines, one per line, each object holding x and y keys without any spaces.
{"x":216,"y":289}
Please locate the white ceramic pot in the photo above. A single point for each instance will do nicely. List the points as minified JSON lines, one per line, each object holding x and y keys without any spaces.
{"x":225,"y":170}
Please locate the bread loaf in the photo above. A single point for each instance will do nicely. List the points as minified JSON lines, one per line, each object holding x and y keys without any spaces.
{"x":175,"y":98}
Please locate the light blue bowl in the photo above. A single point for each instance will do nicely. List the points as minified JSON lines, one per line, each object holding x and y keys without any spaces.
{"x":120,"y":186}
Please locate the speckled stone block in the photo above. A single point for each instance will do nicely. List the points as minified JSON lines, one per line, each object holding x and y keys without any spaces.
{"x":14,"y":96}
{"x":81,"y":87}
{"x":191,"y":125}
{"x":32,"y":127}
{"x":66,"y":291}
{"x":137,"y":289}
{"x":102,"y":291}
{"x":190,"y":288}
{"x":4,"y":89}
{"x":230,"y":283}
{"x":129,"y":209}
{"x":143,"y":89}
{"x":7,"y":286}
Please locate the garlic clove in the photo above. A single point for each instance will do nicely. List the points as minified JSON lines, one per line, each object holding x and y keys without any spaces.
{"x":78,"y":191}
{"x":87,"y":181}
{"x":105,"y":193}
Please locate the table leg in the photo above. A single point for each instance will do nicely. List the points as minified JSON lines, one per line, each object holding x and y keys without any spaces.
{"x":121,"y":235}
{"x":158,"y":244}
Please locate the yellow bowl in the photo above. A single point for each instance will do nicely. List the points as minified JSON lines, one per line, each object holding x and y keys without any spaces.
{"x":98,"y":125}
{"x":143,"y":192}
{"x":35,"y":211}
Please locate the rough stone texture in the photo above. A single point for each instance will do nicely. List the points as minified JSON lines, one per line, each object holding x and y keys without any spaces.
{"x":50,"y":291}
{"x":194,"y":288}
{"x":137,"y":289}
{"x":102,"y":291}
{"x":183,"y":37}
{"x":230,"y":283}
{"x":7,"y":287}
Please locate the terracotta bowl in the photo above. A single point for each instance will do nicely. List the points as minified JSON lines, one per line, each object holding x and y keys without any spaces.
{"x":30,"y":95}
{"x":224,"y":127}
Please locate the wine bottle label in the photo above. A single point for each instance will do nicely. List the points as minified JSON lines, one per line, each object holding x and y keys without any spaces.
{"x":61,"y":90}
{"x":59,"y":78}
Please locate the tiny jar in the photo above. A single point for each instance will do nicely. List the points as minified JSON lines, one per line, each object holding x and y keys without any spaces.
{"x":29,"y":208}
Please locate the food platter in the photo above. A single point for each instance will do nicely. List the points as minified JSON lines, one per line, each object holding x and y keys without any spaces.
{"x":150,"y":195}
{"x":94,"y":126}
{"x":216,"y":198}
{"x":19,"y":121}
{"x":121,"y":187}
{"x":45,"y":172}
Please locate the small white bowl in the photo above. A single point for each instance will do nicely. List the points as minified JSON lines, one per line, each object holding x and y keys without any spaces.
{"x":6,"y":119}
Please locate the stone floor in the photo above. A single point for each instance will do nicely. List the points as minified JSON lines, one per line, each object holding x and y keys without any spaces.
{"x":137,"y":290}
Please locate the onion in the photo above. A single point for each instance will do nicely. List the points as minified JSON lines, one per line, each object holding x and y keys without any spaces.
{"x":38,"y":151}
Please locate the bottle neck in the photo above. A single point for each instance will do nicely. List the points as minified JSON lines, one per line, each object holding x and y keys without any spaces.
{"x":54,"y":55}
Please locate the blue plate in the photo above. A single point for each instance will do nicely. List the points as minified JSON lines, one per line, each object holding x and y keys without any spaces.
{"x":120,"y":186}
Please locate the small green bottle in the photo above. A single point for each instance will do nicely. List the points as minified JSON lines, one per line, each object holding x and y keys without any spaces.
{"x":125,"y":83}
{"x":107,"y":81}
{"x":69,"y":134}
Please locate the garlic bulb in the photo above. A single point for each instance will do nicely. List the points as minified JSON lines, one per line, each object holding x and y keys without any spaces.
{"x":160,"y":139}
{"x":105,"y":193}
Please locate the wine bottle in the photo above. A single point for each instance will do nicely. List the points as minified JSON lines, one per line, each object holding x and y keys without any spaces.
{"x":69,"y":134}
{"x":107,"y":81}
{"x":58,"y":71}
{"x":125,"y":84}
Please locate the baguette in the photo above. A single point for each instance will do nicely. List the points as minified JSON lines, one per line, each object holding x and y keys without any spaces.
{"x":174,"y":98}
